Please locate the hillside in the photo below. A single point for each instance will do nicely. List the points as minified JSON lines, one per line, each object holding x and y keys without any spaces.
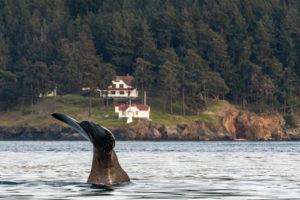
{"x":77,"y":107}
{"x":220,"y":121}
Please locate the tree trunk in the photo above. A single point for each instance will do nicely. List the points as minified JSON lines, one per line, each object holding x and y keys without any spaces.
{"x":32,"y":102}
{"x":101,"y":99}
{"x":164,"y":106}
{"x":171,"y":105}
{"x":143,"y":93}
{"x":182,"y":102}
{"x":22,"y":106}
{"x":204,"y":93}
{"x":145,"y":98}
{"x":106,"y":107}
{"x":90,"y":104}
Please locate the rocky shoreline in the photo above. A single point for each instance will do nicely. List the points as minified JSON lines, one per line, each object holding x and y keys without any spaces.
{"x":229,"y":124}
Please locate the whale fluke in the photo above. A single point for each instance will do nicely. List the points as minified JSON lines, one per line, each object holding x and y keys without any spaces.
{"x":71,"y":122}
{"x":106,"y":169}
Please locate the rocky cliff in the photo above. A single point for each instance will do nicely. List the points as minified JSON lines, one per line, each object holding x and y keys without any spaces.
{"x":229,"y":123}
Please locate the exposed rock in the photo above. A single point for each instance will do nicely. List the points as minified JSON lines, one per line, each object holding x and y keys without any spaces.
{"x":293,"y":133}
{"x":229,"y":123}
{"x":53,"y":132}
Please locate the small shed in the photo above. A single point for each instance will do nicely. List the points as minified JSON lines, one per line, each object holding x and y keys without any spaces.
{"x":134,"y":111}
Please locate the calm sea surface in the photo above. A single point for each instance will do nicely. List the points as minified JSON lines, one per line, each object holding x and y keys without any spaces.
{"x":159,"y":170}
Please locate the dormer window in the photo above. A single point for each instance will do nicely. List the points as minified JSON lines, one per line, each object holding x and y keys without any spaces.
{"x":121,"y":86}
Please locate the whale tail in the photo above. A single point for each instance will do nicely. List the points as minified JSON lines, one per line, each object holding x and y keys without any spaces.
{"x":99,"y":136}
{"x":106,"y":169}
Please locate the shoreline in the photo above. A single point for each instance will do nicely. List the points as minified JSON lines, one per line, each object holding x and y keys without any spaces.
{"x":226,"y":123}
{"x":145,"y":131}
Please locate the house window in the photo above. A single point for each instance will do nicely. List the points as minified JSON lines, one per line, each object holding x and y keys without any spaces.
{"x":122,"y":92}
{"x":114,"y":85}
{"x":113,"y":92}
{"x":121,"y":86}
{"x":137,"y":112}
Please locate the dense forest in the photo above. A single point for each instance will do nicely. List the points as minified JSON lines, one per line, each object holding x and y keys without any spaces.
{"x":245,"y":51}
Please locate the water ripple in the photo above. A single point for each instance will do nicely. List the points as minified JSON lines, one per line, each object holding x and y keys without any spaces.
{"x":159,"y":170}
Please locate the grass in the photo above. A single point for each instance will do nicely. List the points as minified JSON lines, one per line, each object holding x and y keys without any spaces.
{"x":77,"y":107}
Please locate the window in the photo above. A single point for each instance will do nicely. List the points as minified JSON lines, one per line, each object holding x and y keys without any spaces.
{"x":122,"y":92}
{"x":114,"y":85}
{"x":121,"y":86}
{"x":113,"y":92}
{"x":137,"y":112}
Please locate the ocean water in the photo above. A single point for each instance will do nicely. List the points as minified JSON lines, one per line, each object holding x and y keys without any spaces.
{"x":158,"y":170}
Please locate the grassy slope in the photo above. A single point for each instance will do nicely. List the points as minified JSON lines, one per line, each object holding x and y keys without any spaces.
{"x":77,"y":107}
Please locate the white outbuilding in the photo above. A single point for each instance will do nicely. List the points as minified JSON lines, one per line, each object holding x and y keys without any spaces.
{"x":132,"y":111}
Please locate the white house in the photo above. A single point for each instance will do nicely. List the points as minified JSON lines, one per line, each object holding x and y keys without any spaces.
{"x":122,"y":88}
{"x":134,"y":111}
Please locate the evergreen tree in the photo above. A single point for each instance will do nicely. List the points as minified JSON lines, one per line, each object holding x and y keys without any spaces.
{"x":4,"y":53}
{"x":143,"y":76}
{"x":89,"y":63}
{"x":248,"y":47}
{"x":168,"y":83}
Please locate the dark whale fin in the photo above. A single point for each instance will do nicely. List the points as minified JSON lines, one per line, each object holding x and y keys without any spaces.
{"x":106,"y":169}
{"x":71,"y":122}
{"x":99,"y":136}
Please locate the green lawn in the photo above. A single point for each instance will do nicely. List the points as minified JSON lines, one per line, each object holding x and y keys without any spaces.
{"x":77,"y":107}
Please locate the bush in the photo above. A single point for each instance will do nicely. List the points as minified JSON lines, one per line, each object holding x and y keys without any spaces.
{"x":290,"y":121}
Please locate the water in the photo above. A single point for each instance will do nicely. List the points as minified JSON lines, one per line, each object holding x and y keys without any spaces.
{"x":159,"y":170}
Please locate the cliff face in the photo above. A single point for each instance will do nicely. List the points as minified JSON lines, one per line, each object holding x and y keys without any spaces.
{"x":229,"y":123}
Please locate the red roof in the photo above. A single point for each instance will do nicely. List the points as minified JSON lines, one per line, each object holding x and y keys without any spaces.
{"x":120,"y":89}
{"x":118,"y":104}
{"x":127,"y":79}
{"x":142,"y":107}
{"x":124,"y":107}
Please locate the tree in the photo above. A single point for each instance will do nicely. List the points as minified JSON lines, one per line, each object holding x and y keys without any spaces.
{"x":4,"y":53}
{"x":216,"y":86}
{"x":195,"y":71}
{"x":89,"y":62}
{"x":187,"y":35}
{"x":119,"y":47}
{"x":106,"y":75}
{"x":145,"y":43}
{"x":143,"y":76}
{"x":168,"y":84}
{"x":262,"y":49}
{"x":68,"y":71}
{"x":8,"y":90}
{"x":33,"y":80}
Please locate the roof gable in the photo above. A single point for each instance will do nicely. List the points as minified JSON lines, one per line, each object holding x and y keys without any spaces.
{"x":123,"y":107}
{"x":128,"y":80}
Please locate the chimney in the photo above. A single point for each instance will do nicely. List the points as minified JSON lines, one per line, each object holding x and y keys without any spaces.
{"x":127,"y":75}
